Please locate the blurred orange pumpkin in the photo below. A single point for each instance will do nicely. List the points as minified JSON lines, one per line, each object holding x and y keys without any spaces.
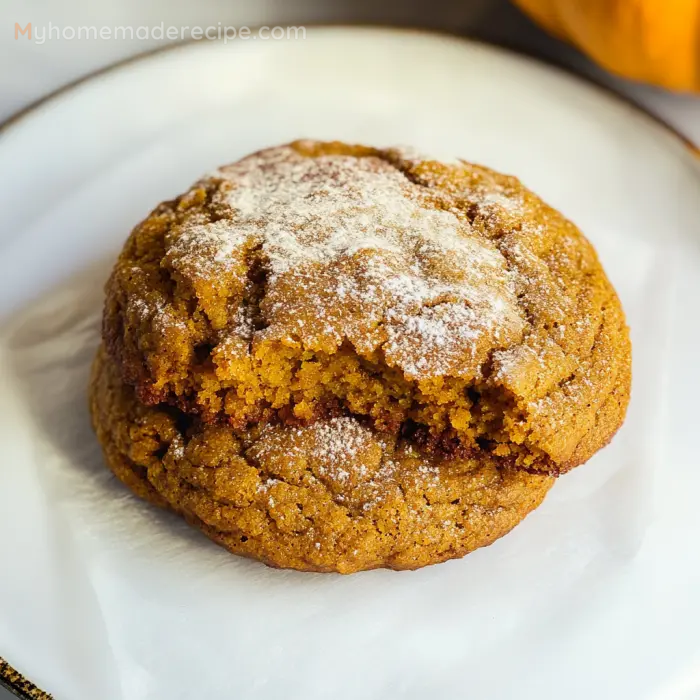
{"x":654,"y":41}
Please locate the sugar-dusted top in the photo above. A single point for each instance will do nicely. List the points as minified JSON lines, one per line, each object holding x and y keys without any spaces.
{"x":355,"y":250}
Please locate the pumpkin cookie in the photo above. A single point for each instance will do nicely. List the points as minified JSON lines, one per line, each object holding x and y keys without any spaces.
{"x":442,"y":302}
{"x":335,"y":495}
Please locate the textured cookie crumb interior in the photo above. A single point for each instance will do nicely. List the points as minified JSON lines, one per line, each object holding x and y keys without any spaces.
{"x":244,"y":379}
{"x":290,"y":384}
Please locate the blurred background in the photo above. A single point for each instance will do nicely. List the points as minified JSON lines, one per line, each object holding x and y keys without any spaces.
{"x":652,"y":40}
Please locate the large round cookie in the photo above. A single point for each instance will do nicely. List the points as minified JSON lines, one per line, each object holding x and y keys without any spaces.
{"x":331,"y":496}
{"x":443,"y":301}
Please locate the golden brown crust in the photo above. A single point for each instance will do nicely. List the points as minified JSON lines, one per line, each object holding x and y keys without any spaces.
{"x":483,"y":313}
{"x":332,"y":496}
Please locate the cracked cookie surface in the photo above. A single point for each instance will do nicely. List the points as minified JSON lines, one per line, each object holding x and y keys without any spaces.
{"x":442,"y":302}
{"x":335,"y":495}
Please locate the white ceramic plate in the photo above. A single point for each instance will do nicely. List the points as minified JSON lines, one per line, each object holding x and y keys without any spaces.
{"x":595,"y":595}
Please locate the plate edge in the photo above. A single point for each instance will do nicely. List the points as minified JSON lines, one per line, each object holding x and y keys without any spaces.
{"x":13,"y":681}
{"x":16,"y":118}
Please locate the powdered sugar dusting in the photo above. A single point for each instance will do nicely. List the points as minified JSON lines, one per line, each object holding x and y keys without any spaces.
{"x":337,"y":231}
{"x":319,"y":209}
{"x":352,"y":461}
{"x":207,"y":249}
{"x":340,"y":442}
{"x":156,"y":311}
{"x":498,"y":199}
